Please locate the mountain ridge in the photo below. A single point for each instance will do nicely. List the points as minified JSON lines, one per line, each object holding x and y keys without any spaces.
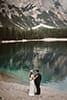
{"x":29,"y":13}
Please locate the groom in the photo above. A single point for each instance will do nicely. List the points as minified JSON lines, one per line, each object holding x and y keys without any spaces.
{"x":37,"y":81}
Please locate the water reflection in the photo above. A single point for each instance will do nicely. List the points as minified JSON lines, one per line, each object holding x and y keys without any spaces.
{"x":17,"y":59}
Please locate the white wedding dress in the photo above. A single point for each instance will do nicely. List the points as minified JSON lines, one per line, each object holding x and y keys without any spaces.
{"x":32,"y":86}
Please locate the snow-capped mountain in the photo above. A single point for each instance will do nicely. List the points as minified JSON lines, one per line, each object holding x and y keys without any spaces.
{"x":30,"y":13}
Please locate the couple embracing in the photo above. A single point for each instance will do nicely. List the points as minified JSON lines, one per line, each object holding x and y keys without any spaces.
{"x":34,"y":83}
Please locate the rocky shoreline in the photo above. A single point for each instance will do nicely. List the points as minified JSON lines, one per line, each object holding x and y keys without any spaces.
{"x":36,"y":40}
{"x":16,"y":91}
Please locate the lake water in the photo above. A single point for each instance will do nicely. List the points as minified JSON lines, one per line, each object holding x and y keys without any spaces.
{"x":17,"y":59}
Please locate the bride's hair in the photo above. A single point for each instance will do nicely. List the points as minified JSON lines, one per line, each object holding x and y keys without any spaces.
{"x":31,"y":72}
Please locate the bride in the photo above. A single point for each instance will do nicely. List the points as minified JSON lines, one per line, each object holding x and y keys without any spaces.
{"x":32,"y":84}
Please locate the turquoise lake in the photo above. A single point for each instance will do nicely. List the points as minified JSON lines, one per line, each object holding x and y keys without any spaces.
{"x":17,"y":59}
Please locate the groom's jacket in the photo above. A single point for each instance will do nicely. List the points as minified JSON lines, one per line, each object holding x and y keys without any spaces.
{"x":38,"y":79}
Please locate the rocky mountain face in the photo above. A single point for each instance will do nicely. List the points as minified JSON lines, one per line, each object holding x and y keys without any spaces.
{"x":30,"y":13}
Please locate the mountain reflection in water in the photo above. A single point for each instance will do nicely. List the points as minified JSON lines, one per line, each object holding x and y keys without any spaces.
{"x":17,"y":59}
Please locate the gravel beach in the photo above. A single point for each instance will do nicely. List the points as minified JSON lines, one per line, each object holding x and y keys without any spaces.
{"x":16,"y":91}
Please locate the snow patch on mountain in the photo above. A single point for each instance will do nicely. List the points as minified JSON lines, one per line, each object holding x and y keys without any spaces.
{"x":42,"y":25}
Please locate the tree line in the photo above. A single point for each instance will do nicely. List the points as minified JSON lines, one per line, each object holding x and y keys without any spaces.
{"x":11,"y":33}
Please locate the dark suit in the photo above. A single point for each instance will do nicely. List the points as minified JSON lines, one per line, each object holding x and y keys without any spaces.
{"x":37,"y":82}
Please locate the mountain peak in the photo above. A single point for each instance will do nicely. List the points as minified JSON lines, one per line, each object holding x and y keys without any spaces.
{"x":29,"y":13}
